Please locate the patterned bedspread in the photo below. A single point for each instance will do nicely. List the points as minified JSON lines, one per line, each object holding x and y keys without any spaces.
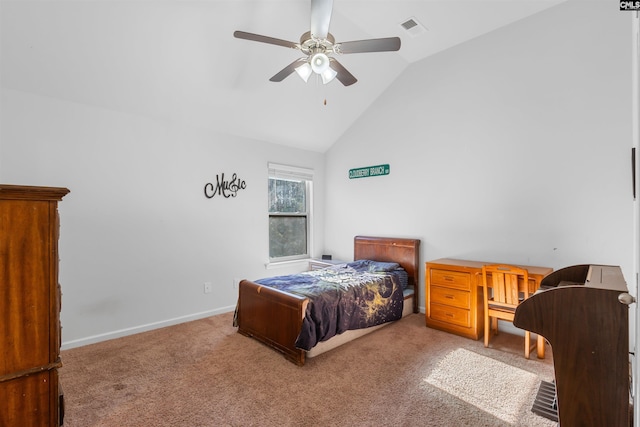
{"x":343,"y":297}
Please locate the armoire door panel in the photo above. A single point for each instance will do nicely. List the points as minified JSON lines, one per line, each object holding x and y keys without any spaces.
{"x":24,"y":286}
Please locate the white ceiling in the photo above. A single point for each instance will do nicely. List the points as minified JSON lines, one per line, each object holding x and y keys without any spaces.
{"x":177,"y":60}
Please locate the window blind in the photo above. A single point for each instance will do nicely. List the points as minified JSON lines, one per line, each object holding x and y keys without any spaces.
{"x":290,"y":172}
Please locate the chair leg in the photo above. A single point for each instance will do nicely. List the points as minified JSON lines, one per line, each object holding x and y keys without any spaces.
{"x":487,"y":329}
{"x":527,"y":344}
{"x":540,"y":347}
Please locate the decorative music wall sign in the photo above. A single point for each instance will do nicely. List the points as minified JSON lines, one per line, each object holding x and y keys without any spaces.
{"x":223,"y":187}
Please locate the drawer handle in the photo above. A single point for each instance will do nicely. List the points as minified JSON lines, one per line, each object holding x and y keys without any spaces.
{"x":448,"y":314}
{"x":448,"y":278}
{"x":448,"y":296}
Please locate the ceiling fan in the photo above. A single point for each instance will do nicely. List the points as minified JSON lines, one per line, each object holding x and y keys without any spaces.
{"x":318,"y":44}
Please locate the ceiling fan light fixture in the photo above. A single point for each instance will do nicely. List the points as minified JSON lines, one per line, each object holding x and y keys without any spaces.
{"x":319,"y":63}
{"x":328,"y":75}
{"x":304,"y":71}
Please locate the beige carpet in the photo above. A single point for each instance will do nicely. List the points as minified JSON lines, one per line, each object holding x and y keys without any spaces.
{"x":204,"y":373}
{"x":461,"y":372}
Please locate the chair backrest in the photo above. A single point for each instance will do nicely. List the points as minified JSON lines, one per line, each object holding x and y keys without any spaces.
{"x":504,"y":283}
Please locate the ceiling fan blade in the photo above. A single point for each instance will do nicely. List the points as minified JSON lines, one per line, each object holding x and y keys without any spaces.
{"x":264,"y":39}
{"x":344,"y":76}
{"x":320,"y":18}
{"x":286,"y":71}
{"x":371,"y":45}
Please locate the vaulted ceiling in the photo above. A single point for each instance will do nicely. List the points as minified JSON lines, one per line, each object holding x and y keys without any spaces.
{"x":177,"y":60}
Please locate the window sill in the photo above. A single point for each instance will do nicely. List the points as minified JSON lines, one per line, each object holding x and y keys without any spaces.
{"x":281,"y":264}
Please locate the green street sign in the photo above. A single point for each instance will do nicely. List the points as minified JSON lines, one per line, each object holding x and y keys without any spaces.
{"x":368,"y":171}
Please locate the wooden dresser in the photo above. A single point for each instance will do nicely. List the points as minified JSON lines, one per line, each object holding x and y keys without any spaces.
{"x":29,"y":306}
{"x":454,"y":295}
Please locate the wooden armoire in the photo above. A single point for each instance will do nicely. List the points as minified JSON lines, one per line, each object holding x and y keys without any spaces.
{"x":30,"y":395}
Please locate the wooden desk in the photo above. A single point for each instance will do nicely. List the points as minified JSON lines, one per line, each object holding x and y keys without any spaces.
{"x":454,"y":295}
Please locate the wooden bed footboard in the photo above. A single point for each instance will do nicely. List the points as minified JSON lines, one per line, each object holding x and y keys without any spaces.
{"x":273,"y":317}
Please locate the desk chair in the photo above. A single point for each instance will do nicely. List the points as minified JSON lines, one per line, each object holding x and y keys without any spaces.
{"x":502,"y":294}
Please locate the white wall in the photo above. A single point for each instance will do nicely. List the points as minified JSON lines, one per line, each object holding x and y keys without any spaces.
{"x":138,"y":236}
{"x":547,"y":98}
{"x":513,"y":147}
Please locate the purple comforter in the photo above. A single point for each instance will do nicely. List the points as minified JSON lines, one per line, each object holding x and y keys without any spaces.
{"x":343,"y":297}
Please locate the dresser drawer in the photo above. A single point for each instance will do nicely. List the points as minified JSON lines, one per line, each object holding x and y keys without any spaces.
{"x":448,"y":296}
{"x":451,"y":315}
{"x":451,"y":279}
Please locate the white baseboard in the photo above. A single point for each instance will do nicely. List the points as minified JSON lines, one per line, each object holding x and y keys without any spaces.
{"x":66,"y":345}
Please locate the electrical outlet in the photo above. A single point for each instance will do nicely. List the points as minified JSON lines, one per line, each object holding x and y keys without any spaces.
{"x":207,"y":287}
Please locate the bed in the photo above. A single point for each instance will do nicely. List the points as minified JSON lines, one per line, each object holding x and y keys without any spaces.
{"x":276,"y":317}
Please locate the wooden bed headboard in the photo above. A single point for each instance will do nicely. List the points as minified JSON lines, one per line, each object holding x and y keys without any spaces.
{"x":405,"y":252}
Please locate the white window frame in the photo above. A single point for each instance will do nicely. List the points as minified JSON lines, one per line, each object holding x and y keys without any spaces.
{"x":281,"y":171}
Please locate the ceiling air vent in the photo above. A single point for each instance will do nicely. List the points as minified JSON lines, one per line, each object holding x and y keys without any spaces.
{"x":413,"y":27}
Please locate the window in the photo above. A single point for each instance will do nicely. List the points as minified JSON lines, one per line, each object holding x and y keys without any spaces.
{"x":289,"y":212}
